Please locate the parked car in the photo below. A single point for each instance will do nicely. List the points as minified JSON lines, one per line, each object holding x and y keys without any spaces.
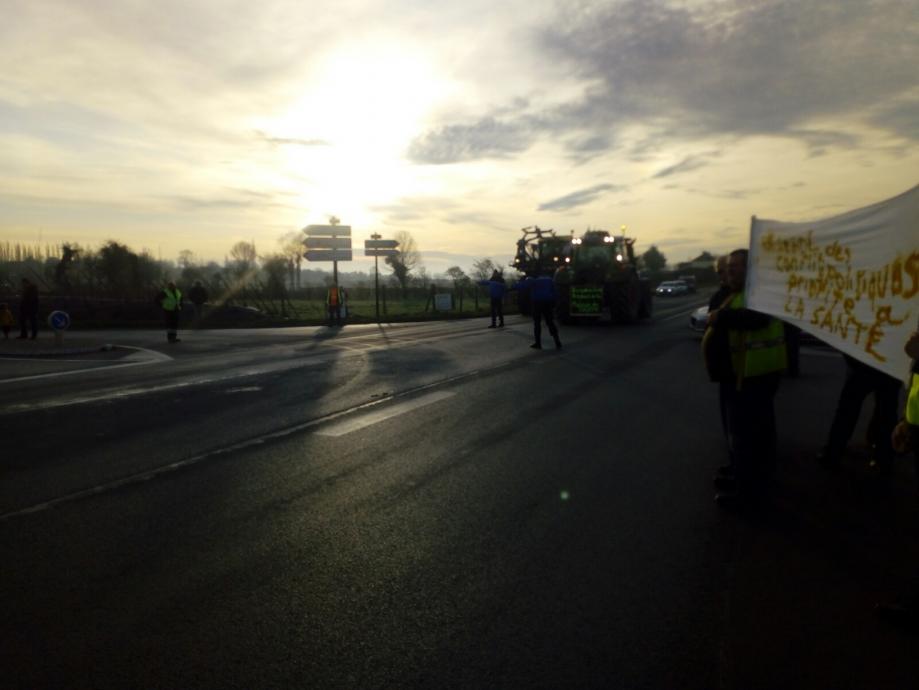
{"x":672,"y":288}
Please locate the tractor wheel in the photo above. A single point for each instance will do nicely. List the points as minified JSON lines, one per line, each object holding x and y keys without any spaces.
{"x":625,"y":300}
{"x":647,"y":306}
{"x":563,"y":304}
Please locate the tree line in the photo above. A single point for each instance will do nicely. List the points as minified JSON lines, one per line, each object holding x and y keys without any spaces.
{"x":114,"y":270}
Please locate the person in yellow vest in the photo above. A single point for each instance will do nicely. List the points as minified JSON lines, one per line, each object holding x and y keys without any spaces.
{"x":170,"y":300}
{"x":750,"y":369}
{"x":334,"y":303}
{"x":905,"y":612}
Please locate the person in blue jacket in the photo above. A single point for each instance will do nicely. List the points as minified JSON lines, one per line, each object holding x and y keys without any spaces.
{"x":496,"y":290}
{"x":542,"y":297}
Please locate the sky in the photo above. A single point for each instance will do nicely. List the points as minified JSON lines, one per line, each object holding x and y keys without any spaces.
{"x":194,"y":124}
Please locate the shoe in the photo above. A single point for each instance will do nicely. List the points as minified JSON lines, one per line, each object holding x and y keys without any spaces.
{"x":725,"y":483}
{"x":177,"y":340}
{"x":900,"y":615}
{"x":492,"y":326}
{"x":558,"y":344}
{"x":536,"y":346}
{"x":20,"y":337}
{"x":501,"y":325}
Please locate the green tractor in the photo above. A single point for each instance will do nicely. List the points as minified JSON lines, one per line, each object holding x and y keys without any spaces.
{"x":539,"y":253}
{"x":599,"y":279}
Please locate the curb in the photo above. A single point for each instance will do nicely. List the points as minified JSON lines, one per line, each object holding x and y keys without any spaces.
{"x":60,"y":352}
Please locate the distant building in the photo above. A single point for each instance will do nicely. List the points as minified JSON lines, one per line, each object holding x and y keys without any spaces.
{"x":703,"y":262}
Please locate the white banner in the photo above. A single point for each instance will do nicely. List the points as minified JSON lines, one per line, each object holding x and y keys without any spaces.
{"x":851,"y":280}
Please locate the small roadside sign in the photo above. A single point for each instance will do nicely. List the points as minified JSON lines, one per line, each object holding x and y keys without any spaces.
{"x":328,"y":255}
{"x":59,"y":320}
{"x":327,"y":230}
{"x":380,"y":244}
{"x":328,"y":242}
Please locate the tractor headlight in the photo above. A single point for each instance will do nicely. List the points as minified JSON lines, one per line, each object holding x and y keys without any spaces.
{"x":618,"y":257}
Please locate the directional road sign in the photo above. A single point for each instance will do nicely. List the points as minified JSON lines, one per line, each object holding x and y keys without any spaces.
{"x":328,"y":255}
{"x":380,"y":252}
{"x":328,"y":242}
{"x":380,"y":244}
{"x":327,"y":231}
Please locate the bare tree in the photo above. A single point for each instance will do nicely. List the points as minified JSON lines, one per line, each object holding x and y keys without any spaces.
{"x":483,"y":269}
{"x":292,"y":249}
{"x":458,"y":276}
{"x":405,"y":260}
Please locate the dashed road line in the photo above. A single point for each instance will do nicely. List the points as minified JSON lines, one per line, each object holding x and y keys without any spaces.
{"x":356,"y":423}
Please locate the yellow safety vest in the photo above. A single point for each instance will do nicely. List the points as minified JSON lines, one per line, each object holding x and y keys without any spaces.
{"x":912,"y":402}
{"x":755,"y":353}
{"x":172,"y":300}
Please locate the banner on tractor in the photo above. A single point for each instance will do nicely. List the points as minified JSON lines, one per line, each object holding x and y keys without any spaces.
{"x":851,"y":280}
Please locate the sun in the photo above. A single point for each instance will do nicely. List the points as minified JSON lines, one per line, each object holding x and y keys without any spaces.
{"x":354,"y":121}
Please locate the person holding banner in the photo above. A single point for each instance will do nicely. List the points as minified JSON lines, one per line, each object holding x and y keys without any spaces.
{"x":862,"y":380}
{"x":905,"y":437}
{"x":751,"y":365}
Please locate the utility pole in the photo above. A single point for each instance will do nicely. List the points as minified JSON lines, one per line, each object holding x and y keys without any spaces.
{"x":377,"y":247}
{"x":376,"y":275}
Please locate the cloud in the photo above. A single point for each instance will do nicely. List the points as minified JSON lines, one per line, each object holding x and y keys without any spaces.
{"x":736,"y":67}
{"x":687,"y":71}
{"x":283,"y":141}
{"x":487,"y":138}
{"x":689,"y":163}
{"x":579,"y":198}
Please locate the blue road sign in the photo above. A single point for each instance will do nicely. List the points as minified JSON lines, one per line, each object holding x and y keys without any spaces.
{"x":59,"y":320}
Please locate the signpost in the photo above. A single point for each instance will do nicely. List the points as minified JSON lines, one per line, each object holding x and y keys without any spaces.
{"x":330,"y":242}
{"x":377,"y":247}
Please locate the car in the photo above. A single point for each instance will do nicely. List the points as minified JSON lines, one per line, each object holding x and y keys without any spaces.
{"x":698,"y":320}
{"x":690,"y":282}
{"x":672,"y":288}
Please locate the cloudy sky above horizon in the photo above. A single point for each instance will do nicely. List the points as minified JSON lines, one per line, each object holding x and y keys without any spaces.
{"x":195,"y":124}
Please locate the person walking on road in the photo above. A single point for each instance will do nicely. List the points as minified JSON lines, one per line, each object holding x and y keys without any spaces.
{"x":542,"y":298}
{"x":753,"y":363}
{"x":170,"y":300}
{"x":6,"y":320}
{"x":861,"y":380}
{"x":904,"y":613}
{"x":28,"y":310}
{"x":496,"y":289}
{"x":198,"y":296}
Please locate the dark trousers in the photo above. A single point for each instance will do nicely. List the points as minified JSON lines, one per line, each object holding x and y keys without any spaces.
{"x":750,"y":414}
{"x":28,"y":318}
{"x":544,"y":310}
{"x":334,"y":314}
{"x":861,"y":380}
{"x":172,"y":323}
{"x":497,"y":310}
{"x":725,"y":388}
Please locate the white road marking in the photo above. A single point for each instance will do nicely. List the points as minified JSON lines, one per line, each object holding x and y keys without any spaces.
{"x":137,"y":359}
{"x":346,"y":426}
{"x":241,"y":445}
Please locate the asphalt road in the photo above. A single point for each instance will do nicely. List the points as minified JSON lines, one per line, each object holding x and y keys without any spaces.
{"x":429,"y":505}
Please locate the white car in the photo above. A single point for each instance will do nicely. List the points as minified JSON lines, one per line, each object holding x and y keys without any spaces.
{"x":672,"y":288}
{"x":699,"y":319}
